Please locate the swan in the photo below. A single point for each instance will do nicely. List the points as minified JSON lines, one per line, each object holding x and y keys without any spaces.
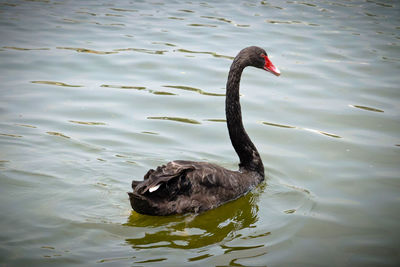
{"x":192,"y":187}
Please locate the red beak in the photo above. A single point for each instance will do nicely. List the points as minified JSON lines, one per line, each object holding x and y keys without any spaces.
{"x":268,"y":66}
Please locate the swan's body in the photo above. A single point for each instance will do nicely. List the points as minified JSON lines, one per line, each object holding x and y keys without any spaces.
{"x":188,"y":186}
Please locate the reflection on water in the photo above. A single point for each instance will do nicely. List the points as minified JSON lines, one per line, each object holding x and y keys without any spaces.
{"x":196,"y":231}
{"x":229,"y":233}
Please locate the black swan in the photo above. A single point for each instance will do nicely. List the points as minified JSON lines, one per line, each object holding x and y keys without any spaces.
{"x":188,"y":186}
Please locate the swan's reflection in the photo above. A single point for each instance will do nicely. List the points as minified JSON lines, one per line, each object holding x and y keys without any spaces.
{"x":195,"y":231}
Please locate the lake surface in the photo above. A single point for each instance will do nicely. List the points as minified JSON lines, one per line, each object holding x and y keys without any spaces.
{"x":94,"y":93}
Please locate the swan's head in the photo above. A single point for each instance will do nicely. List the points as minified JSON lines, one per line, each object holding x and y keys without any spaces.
{"x":257,"y":57}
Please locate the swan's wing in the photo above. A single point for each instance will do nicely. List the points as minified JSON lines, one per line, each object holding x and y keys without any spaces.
{"x":203,"y":173}
{"x":187,"y":186}
{"x":179,"y":174}
{"x":162,"y":175}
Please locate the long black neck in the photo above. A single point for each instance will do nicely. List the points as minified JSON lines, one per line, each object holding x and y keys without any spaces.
{"x":249,"y":157}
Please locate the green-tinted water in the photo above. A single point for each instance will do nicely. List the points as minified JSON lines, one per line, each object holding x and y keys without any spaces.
{"x":94,"y":93}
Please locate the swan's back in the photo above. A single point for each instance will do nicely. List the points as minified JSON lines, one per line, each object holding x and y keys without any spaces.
{"x":188,"y":186}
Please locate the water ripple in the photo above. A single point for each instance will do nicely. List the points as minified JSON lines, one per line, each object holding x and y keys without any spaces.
{"x":8,"y":4}
{"x":87,"y":122}
{"x":300,"y":128}
{"x":176,"y":18}
{"x":214,"y":54}
{"x":113,"y":15}
{"x":197,"y":90}
{"x":291,"y":22}
{"x":142,"y":50}
{"x":216,"y":18}
{"x":124,"y":10}
{"x":115,"y":259}
{"x":229,"y":249}
{"x":255,"y":236}
{"x":147,"y":132}
{"x":92,"y":22}
{"x":10,"y":135}
{"x":178,"y":119}
{"x":86,"y":13}
{"x":152,"y":260}
{"x":155,"y":92}
{"x":56,"y":83}
{"x":164,"y":43}
{"x":277,"y":125}
{"x":204,"y":256}
{"x":24,"y":49}
{"x":321,"y":132}
{"x":225,"y":20}
{"x":202,"y":25}
{"x":123,"y":87}
{"x":215,"y":120}
{"x":85,"y":50}
{"x":186,"y":10}
{"x":58,"y":134}
{"x":366,"y":108}
{"x":25,"y":125}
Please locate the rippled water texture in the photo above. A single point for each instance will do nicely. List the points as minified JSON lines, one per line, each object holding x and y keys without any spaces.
{"x":94,"y":93}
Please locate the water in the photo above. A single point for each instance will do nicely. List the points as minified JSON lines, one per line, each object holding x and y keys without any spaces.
{"x":94,"y":93}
